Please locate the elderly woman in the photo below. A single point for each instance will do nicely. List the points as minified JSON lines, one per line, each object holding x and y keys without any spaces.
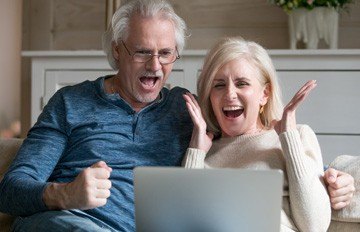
{"x":241,"y":105}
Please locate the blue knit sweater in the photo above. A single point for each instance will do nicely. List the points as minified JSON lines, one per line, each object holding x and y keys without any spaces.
{"x":81,"y":125}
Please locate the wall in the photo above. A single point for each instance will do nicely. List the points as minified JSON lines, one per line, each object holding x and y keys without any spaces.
{"x":58,"y":25}
{"x":255,"y":20}
{"x":10,"y":58}
{"x":79,"y":25}
{"x":63,"y":24}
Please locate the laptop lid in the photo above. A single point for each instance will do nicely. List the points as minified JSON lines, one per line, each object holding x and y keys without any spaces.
{"x":207,"y":200}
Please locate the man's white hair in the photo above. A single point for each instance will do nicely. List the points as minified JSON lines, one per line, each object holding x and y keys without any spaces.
{"x":119,"y":28}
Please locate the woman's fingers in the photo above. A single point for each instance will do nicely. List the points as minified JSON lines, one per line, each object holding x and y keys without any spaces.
{"x":194,"y":110}
{"x":301,"y":95}
{"x":303,"y":92}
{"x":200,"y":139}
{"x":193,"y":99}
{"x":190,"y":107}
{"x":190,"y":99}
{"x":288,"y":120}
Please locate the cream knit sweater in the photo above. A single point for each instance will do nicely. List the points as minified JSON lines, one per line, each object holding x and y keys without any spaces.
{"x":306,"y":204}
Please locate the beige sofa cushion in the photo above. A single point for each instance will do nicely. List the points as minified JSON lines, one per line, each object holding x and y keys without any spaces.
{"x":351,"y":165}
{"x":8,"y":150}
{"x":337,"y":226}
{"x":340,"y":219}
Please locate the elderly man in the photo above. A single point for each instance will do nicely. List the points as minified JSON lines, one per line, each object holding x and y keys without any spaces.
{"x":74,"y":170}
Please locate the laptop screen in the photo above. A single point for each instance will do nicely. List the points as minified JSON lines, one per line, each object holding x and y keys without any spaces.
{"x":209,"y":200}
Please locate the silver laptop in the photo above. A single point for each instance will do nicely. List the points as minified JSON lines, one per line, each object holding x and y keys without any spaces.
{"x":207,"y":200}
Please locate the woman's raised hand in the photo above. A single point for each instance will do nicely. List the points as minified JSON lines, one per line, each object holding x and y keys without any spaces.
{"x":288,"y":120}
{"x":200,"y":139}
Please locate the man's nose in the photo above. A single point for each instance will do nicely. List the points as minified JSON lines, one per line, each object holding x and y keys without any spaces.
{"x":153,"y":64}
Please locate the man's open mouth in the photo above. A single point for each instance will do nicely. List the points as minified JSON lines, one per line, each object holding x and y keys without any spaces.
{"x":149,"y":81}
{"x":233,"y":111}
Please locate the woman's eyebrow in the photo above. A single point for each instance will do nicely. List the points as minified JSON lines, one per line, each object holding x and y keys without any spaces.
{"x":242,"y":79}
{"x":218,"y":79}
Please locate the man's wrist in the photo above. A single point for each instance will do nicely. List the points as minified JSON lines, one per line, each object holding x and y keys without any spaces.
{"x":55,"y":196}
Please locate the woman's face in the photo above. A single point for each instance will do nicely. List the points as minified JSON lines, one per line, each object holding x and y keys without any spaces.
{"x":236,"y":96}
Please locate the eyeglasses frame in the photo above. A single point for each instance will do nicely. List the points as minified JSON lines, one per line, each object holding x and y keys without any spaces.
{"x":152,"y":55}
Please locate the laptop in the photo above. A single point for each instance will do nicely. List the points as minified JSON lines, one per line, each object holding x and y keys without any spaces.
{"x":207,"y":200}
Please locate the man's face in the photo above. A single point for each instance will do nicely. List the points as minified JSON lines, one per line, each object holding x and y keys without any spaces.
{"x":140,"y":83}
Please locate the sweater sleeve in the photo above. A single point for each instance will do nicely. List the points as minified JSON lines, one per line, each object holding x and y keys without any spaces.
{"x":309,"y":201}
{"x":194,"y":158}
{"x":21,"y":189}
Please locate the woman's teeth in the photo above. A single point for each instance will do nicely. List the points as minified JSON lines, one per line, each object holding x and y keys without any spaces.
{"x":233,"y":111}
{"x":231,"y":108}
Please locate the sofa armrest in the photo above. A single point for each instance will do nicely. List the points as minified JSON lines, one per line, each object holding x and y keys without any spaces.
{"x":8,"y":150}
{"x":351,"y":165}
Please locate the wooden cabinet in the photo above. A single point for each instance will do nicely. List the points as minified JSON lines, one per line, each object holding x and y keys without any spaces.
{"x":331,"y":109}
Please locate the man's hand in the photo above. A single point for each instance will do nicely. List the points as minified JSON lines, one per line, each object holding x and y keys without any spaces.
{"x":89,"y":190}
{"x":340,"y":186}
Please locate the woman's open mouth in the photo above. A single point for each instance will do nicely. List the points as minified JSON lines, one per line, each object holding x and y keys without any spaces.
{"x":233,"y":111}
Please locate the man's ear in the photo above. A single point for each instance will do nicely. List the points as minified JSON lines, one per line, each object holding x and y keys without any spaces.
{"x":266,"y":94}
{"x":115,"y":50}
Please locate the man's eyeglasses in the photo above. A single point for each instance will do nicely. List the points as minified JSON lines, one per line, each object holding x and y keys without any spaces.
{"x":143,"y":56}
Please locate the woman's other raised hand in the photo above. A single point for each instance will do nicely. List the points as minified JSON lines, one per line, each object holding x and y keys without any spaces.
{"x":288,"y":120}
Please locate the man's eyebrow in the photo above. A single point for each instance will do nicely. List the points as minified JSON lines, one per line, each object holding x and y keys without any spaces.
{"x":140,"y":47}
{"x":166,"y":50}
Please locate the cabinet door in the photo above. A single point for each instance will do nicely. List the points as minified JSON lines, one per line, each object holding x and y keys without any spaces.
{"x":55,"y":80}
{"x":331,"y":109}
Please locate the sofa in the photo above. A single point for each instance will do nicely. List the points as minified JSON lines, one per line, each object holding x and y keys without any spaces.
{"x":345,"y":220}
{"x":8,"y":149}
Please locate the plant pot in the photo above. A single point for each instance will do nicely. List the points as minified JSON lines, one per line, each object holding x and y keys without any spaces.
{"x":312,"y":25}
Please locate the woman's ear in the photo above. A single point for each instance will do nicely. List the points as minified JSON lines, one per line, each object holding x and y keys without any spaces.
{"x":115,"y":50}
{"x":266,"y":94}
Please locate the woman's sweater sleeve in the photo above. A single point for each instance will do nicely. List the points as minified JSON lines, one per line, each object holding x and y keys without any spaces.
{"x":194,"y":158}
{"x":309,"y":201}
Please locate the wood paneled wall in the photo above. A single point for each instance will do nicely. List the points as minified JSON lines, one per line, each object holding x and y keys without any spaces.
{"x":256,"y":20}
{"x":10,"y":48}
{"x":79,"y":24}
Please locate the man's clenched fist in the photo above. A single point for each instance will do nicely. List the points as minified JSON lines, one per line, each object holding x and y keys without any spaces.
{"x":90,"y":189}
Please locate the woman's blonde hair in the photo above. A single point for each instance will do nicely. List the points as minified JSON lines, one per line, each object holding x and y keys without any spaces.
{"x":226,"y":50}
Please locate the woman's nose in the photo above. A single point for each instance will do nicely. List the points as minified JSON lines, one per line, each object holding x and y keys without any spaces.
{"x":230,"y":93}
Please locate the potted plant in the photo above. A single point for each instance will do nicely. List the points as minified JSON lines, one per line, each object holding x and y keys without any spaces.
{"x":289,"y":5}
{"x":312,"y":20}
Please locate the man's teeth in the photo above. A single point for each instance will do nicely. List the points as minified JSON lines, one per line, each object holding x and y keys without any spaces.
{"x":232,"y":108}
{"x":149,"y":80}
